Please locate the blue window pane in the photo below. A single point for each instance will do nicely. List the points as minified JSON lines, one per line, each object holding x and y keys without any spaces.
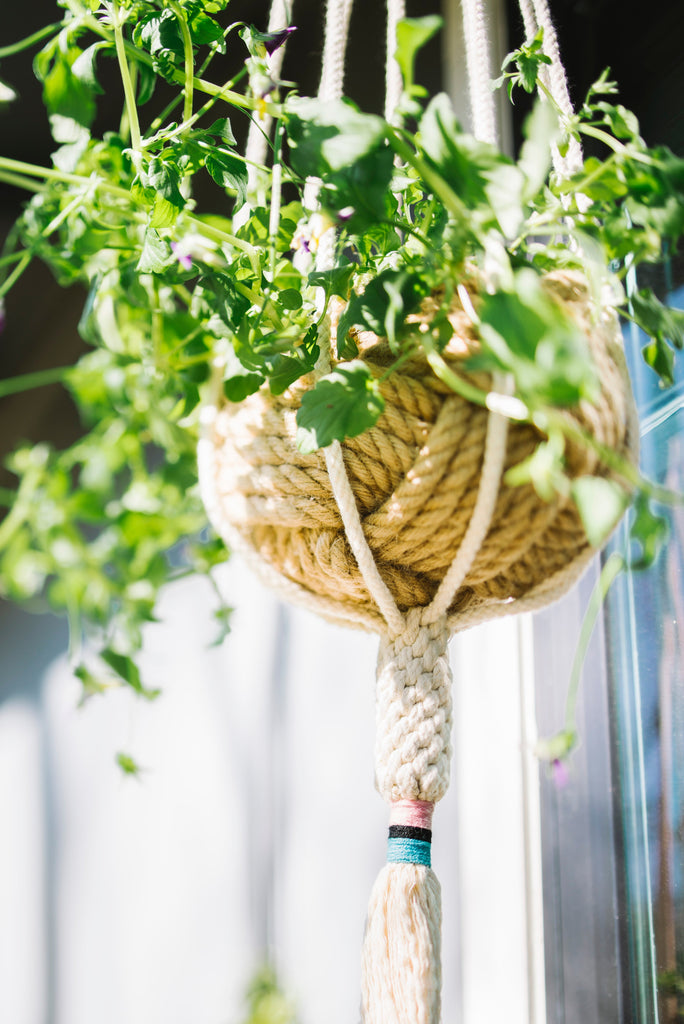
{"x":645,"y":625}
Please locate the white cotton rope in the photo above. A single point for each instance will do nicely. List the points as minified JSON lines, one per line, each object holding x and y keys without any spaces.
{"x":337,"y":17}
{"x":396,"y":10}
{"x":488,"y":491}
{"x":331,"y":87}
{"x":332,"y":84}
{"x":332,"y":80}
{"x":259,"y":128}
{"x":478,"y":64}
{"x":536,"y":15}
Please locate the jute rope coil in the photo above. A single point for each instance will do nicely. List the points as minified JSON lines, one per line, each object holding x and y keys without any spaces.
{"x":415,"y":478}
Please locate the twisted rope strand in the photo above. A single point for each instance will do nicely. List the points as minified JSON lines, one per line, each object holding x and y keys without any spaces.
{"x":346,"y":502}
{"x":536,"y":14}
{"x":396,"y":10}
{"x":480,"y":521}
{"x":332,"y":81}
{"x":337,"y":16}
{"x":259,"y":129}
{"x":483,"y":107}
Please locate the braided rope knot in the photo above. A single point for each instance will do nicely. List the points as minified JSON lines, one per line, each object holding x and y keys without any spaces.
{"x":413,"y":706}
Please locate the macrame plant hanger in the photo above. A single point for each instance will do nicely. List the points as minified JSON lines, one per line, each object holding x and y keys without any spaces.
{"x":401,"y":970}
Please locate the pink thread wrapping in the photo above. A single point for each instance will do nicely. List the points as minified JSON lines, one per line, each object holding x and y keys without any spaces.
{"x":412,"y":812}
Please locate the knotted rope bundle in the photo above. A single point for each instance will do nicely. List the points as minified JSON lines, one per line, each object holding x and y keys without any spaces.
{"x":410,"y":530}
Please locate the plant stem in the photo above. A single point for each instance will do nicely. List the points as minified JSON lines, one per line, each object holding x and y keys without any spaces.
{"x":274,"y":216}
{"x":62,"y":216}
{"x":23,"y":183}
{"x":185,"y":124}
{"x":7,"y":497}
{"x":547,"y":419}
{"x":13,"y":277}
{"x":223,"y":236}
{"x":23,"y":44}
{"x":438,"y":185}
{"x":52,"y":174}
{"x":445,"y":373}
{"x":235,"y":98}
{"x":27,"y":381}
{"x":609,"y":573}
{"x":11,"y":258}
{"x":129,"y":92}
{"x":188,"y":58}
{"x":18,"y":511}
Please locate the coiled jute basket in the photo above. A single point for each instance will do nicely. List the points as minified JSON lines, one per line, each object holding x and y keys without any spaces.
{"x":415,"y":478}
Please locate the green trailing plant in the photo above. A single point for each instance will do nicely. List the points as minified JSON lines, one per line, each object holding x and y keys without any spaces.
{"x":179,"y":293}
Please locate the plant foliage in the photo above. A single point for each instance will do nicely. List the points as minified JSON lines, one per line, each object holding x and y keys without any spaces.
{"x":180,"y":297}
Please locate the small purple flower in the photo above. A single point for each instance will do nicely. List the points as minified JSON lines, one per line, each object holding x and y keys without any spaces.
{"x":184,"y":258}
{"x":274,"y":40}
{"x":560,"y":773}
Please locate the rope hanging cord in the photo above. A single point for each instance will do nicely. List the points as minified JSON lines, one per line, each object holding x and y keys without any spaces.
{"x":407,"y":530}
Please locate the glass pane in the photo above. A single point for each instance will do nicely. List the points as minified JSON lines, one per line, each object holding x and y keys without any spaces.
{"x":646,"y":626}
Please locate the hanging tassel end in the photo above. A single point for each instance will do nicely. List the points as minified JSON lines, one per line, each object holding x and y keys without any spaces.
{"x":401,"y":960}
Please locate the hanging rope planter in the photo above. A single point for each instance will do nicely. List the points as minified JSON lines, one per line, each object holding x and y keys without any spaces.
{"x":409,"y":530}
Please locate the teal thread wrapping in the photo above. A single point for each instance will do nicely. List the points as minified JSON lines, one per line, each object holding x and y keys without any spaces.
{"x":408,"y":851}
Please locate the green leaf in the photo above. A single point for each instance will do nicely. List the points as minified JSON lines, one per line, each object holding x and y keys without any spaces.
{"x":156,"y":253}
{"x":241,"y":382}
{"x":127,"y":764}
{"x":158,"y":183}
{"x":159,"y":32}
{"x":65,"y":94}
{"x":283,"y":370}
{"x":621,"y":121}
{"x":382,"y":307}
{"x":204,"y":30}
{"x":601,"y":504}
{"x":361,"y":190}
{"x":486,"y":181}
{"x":660,"y":357}
{"x":92,"y":685}
{"x":84,"y":66}
{"x":544,"y":469}
{"x":336,"y":281}
{"x":329,"y":135}
{"x":656,"y":319}
{"x":530,"y":335}
{"x":127,"y":670}
{"x":649,"y":530}
{"x":528,"y":60}
{"x":229,"y":172}
{"x":222,"y":129}
{"x":412,"y":35}
{"x":222,"y":616}
{"x":343,"y":404}
{"x":541,"y":130}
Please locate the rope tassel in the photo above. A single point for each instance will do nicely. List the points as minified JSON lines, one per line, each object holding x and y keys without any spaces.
{"x":401,"y":960}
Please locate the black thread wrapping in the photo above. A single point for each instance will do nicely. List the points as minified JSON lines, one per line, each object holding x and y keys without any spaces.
{"x":410,"y":832}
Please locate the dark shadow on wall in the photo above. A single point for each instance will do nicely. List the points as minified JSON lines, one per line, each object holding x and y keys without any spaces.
{"x":29,"y":644}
